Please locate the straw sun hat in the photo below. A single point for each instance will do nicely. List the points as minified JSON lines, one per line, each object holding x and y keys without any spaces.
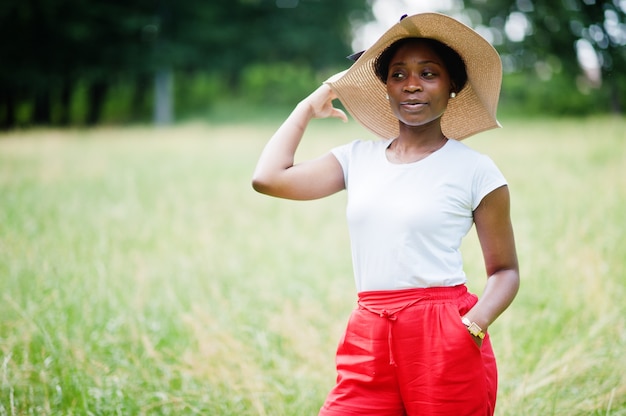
{"x":472,"y":110}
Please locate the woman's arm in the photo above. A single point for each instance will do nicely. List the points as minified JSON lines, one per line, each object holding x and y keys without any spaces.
{"x":276,"y":174}
{"x":495,"y":233}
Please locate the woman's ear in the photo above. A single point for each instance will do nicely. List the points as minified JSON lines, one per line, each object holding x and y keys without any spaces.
{"x":452,"y":90}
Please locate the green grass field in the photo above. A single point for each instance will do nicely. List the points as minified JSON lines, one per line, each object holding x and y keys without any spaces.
{"x":140,"y":274}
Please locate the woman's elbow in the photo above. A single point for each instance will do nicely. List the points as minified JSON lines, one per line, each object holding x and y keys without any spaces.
{"x":259,"y":185}
{"x":265,"y":184}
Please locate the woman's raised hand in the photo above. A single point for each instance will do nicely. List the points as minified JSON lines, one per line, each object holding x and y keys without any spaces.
{"x":320,"y":103}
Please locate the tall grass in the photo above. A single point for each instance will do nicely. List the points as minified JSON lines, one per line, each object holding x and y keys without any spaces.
{"x":140,"y":274}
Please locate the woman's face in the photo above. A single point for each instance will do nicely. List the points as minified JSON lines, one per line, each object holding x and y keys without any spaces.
{"x":418,"y":85}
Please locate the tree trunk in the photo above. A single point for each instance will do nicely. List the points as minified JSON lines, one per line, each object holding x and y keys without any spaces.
{"x":7,"y":101}
{"x":41,"y":113}
{"x":163,"y":99}
{"x":138,"y":104}
{"x":616,"y":100}
{"x":66,"y":96}
{"x":96,"y":95}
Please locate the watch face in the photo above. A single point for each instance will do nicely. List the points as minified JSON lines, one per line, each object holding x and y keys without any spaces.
{"x":475,"y":330}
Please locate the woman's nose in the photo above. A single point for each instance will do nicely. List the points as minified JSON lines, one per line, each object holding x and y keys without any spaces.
{"x":412,"y":85}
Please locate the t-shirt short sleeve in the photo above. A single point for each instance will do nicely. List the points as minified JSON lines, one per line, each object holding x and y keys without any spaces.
{"x":343,"y":154}
{"x":487,"y":178}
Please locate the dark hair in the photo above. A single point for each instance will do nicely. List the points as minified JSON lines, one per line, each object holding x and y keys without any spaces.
{"x":451,"y":59}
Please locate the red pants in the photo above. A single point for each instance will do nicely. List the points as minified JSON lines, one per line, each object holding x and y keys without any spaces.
{"x":406,"y":352}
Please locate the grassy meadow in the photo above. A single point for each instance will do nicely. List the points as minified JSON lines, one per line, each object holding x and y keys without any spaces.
{"x":140,"y":274}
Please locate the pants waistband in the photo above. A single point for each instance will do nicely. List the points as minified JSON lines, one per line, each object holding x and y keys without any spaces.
{"x":399,"y":299}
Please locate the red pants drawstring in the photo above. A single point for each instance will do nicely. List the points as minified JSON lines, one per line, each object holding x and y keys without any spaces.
{"x":391,"y":318}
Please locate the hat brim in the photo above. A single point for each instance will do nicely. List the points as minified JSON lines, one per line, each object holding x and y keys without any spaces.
{"x":474,"y":108}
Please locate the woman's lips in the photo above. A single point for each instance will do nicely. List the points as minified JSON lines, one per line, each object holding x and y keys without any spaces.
{"x":413,"y":105}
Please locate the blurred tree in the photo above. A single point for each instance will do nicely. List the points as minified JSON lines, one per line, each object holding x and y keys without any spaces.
{"x":49,"y":47}
{"x":585,"y":40}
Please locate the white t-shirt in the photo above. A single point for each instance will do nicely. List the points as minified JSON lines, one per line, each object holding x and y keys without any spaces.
{"x":406,"y":221}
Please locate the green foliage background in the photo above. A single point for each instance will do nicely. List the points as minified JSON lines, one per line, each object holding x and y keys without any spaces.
{"x":74,"y":63}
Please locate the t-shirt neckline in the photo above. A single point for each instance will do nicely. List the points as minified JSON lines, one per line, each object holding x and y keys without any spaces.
{"x":409,"y":164}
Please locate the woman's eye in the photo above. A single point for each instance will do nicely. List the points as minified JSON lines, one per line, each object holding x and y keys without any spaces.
{"x":428,"y":74}
{"x":397,"y":75}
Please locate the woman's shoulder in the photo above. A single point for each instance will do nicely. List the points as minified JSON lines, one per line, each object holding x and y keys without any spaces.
{"x":363,"y":146}
{"x":461,"y":150}
{"x":459,"y":156}
{"x":461,"y":147}
{"x":370,"y":143}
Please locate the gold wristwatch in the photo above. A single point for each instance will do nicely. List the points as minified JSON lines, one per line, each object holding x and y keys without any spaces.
{"x":473,"y":328}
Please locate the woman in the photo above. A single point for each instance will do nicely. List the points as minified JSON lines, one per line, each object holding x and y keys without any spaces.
{"x":417,"y":343}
